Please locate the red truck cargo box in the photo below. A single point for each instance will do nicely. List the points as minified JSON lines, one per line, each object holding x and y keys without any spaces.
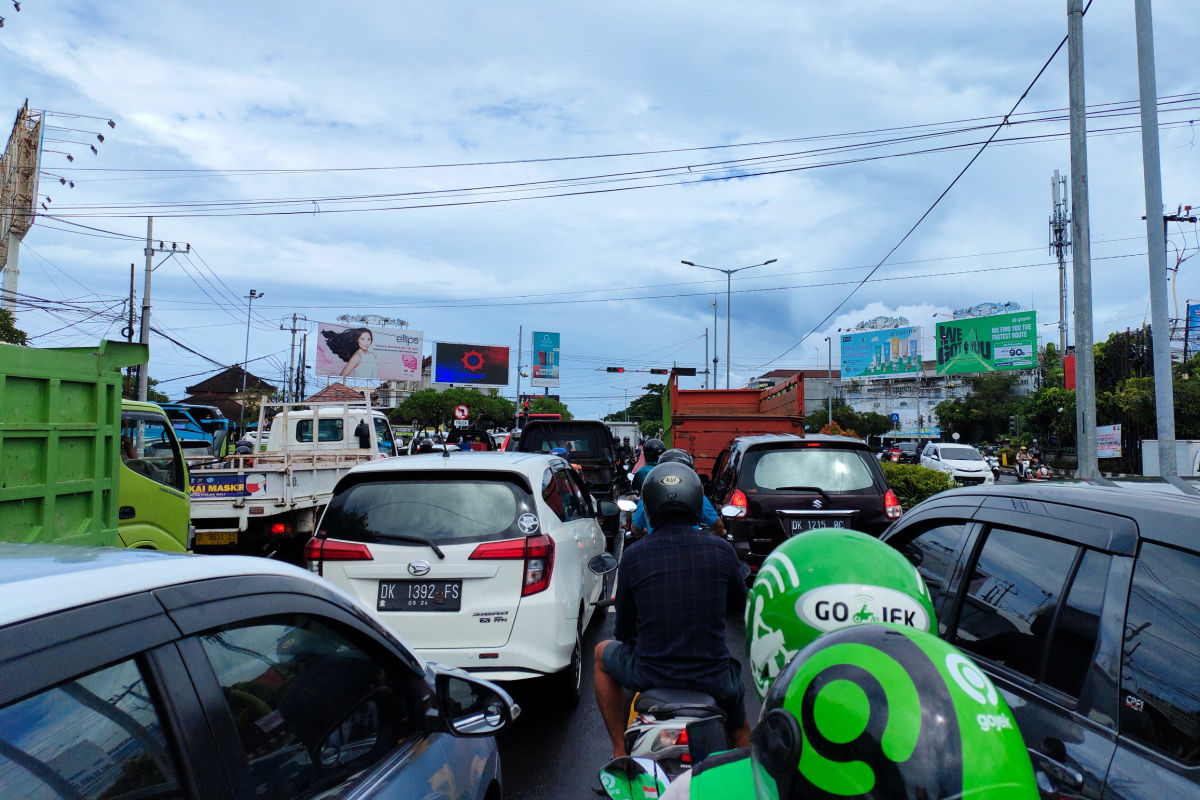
{"x":703,"y":421}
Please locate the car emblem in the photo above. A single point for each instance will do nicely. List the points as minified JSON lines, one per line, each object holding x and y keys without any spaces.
{"x":418,"y":568}
{"x":817,"y":503}
{"x":671,"y":480}
{"x":528,"y":523}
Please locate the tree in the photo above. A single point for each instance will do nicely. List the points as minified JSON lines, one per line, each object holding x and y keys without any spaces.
{"x":1052,"y":367}
{"x":843,"y":416}
{"x":9,"y":332}
{"x":1049,"y":412}
{"x":155,"y":396}
{"x":431,"y":407}
{"x":869,"y":423}
{"x":984,"y":413}
{"x":548,"y":405}
{"x":646,"y":409}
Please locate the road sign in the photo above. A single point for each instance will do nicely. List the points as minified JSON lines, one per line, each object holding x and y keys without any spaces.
{"x":461,"y":423}
{"x":895,"y":417}
{"x":461,"y":412}
{"x":955,"y":436}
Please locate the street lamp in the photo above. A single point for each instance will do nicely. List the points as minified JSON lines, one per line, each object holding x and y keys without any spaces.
{"x":728,"y":295}
{"x":250,"y":298}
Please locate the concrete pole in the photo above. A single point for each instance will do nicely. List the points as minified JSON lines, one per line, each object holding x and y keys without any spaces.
{"x":829,"y":378}
{"x":705,"y":384}
{"x":728,"y":320}
{"x":1081,"y":253}
{"x":144,"y":369}
{"x":715,"y":345}
{"x":8,"y":294}
{"x":520,"y":342}
{"x":1164,"y":401}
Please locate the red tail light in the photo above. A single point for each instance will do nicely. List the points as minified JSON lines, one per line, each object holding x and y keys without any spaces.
{"x":319,"y":550}
{"x":281,"y":529}
{"x":537,"y":552}
{"x":892,"y":505}
{"x":738,"y":498}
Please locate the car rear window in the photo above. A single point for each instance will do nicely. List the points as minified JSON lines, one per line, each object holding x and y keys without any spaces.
{"x":960,"y":452}
{"x":829,"y":469}
{"x":581,"y":441}
{"x":444,"y":510}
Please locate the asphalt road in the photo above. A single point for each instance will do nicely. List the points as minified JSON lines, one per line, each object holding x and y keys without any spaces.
{"x":552,"y":753}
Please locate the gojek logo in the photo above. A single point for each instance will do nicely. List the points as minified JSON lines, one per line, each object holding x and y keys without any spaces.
{"x":980,"y":689}
{"x":840,"y":605}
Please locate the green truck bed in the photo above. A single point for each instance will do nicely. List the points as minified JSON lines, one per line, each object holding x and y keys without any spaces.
{"x":60,"y":418}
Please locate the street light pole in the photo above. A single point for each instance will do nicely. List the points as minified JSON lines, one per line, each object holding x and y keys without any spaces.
{"x":728,"y":297}
{"x":250,"y":298}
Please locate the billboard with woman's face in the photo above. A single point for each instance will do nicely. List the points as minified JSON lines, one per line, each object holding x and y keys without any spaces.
{"x":368,"y":352}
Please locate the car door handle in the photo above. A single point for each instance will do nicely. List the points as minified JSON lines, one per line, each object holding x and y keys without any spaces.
{"x":1060,"y":773}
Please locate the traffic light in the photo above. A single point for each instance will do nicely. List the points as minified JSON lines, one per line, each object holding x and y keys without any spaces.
{"x":686,"y":371}
{"x":614,"y":369}
{"x":659,"y":371}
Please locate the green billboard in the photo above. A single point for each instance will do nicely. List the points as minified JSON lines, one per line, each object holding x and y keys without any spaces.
{"x":987,"y":344}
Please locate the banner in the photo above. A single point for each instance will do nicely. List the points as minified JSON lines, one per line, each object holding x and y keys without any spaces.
{"x":475,"y":364}
{"x":887,"y":353}
{"x":385,"y":354}
{"x":987,"y":344}
{"x":1193,"y":328}
{"x":545,"y":359}
{"x":1108,"y":441}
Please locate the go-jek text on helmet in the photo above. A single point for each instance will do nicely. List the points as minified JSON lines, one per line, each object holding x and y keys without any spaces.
{"x":677,"y":455}
{"x":823,"y":580}
{"x":884,"y":711}
{"x":672,"y":493}
{"x":652,"y":449}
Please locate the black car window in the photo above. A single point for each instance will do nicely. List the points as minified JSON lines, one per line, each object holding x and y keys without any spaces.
{"x":581,"y":441}
{"x":1014,"y":588}
{"x":97,"y":736}
{"x":934,"y":552}
{"x":1160,"y":686}
{"x":1078,"y":625}
{"x":311,"y":705}
{"x":328,"y":430}
{"x":574,"y":504}
{"x":829,"y":469}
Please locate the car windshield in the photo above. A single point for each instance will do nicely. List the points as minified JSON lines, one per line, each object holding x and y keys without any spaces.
{"x":960,"y":452}
{"x":579,"y":440}
{"x":908,"y":447}
{"x":442,"y":510}
{"x":826,"y":468}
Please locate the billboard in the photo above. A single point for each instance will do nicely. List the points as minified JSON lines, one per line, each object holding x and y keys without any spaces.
{"x":374,"y":353}
{"x":1193,"y":328}
{"x":545,"y":359}
{"x":987,"y":344}
{"x":887,"y":353}
{"x":475,"y":364}
{"x":1108,"y":441}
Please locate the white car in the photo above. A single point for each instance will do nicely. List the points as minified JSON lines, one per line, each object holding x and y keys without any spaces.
{"x":479,"y":560}
{"x":961,"y":461}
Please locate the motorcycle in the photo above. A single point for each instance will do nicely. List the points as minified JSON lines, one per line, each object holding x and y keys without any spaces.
{"x":994,"y":465}
{"x":628,"y":504}
{"x":1034,"y":470}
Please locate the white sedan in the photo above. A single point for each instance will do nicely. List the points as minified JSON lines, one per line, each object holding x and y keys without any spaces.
{"x":960,"y":461}
{"x":478,"y":560}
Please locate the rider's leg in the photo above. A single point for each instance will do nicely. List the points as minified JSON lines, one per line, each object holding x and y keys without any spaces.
{"x":610,"y":696}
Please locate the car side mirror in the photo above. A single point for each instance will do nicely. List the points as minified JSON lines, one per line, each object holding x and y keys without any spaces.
{"x":470,"y":706}
{"x":603,"y":563}
{"x":733,"y":512}
{"x":626,"y":505}
{"x":934,"y":457}
{"x":608,"y":508}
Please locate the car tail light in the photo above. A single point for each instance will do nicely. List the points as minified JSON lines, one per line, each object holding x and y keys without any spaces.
{"x":536,"y":551}
{"x":317,"y":550}
{"x":892,"y":505}
{"x":738,"y":498}
{"x":281,"y":529}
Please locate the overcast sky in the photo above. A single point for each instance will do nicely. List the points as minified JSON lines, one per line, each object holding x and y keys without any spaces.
{"x":473,"y":168}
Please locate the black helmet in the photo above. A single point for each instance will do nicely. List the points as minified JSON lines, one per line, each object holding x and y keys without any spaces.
{"x":672,"y":493}
{"x":652,"y":450}
{"x":677,"y":455}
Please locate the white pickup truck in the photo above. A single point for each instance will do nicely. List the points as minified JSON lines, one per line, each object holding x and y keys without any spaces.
{"x":268,"y":502}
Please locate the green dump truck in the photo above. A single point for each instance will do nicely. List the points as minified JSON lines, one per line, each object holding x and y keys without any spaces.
{"x":79,"y":465}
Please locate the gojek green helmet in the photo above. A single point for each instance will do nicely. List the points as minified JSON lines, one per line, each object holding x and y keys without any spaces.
{"x":821,"y":581}
{"x":885,"y":711}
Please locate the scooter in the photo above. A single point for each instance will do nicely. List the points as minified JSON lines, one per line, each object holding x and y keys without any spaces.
{"x":994,"y":465}
{"x":1034,"y":471}
{"x":628,"y":504}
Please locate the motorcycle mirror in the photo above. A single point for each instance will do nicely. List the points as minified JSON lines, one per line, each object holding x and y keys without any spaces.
{"x":629,"y":475}
{"x":626,"y":505}
{"x":603,"y":564}
{"x":734,"y":512}
{"x":629,"y":778}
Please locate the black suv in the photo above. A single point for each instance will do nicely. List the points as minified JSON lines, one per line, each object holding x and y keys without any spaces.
{"x":590,"y":444}
{"x":789,"y":484}
{"x":910,"y":452}
{"x":1082,"y":603}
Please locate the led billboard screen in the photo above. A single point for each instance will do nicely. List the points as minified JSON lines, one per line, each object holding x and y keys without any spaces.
{"x":475,"y":364}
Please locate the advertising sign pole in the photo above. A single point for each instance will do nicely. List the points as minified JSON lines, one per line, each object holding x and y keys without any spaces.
{"x":520,"y":341}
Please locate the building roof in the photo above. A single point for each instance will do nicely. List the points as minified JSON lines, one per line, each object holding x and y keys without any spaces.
{"x":229,"y":382}
{"x":335,"y":392}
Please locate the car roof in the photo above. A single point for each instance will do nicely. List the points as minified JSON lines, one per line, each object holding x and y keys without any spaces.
{"x":785,"y":438}
{"x":39,"y":579}
{"x":1161,"y":516}
{"x":499,"y":461}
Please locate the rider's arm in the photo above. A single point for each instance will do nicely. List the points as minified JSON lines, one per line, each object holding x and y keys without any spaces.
{"x":710,"y":519}
{"x":625,"y":624}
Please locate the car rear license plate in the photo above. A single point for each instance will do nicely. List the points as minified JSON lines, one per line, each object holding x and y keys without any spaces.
{"x":420,"y":596}
{"x":801,"y":524}
{"x":216,"y":537}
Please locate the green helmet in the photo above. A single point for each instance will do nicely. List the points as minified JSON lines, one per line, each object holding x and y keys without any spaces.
{"x":885,"y":711}
{"x":821,"y":581}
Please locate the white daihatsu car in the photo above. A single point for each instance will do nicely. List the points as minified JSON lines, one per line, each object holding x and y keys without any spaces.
{"x":960,"y":461}
{"x":478,"y":560}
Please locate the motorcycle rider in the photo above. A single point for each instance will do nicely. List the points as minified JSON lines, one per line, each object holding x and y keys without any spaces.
{"x":1022,"y":462}
{"x":823,"y":682}
{"x":651,"y":450}
{"x":675,"y":590}
{"x":709,"y":518}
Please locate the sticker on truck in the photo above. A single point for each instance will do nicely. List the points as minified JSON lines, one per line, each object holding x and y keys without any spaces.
{"x":227,"y":485}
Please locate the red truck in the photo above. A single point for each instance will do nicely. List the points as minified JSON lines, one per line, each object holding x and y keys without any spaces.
{"x":702,"y":421}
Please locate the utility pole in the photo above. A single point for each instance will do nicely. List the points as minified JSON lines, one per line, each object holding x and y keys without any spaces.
{"x":302,"y":377}
{"x":705,"y":385}
{"x":715,"y":357}
{"x":144,"y":369}
{"x":1164,"y":384}
{"x":1081,"y":253}
{"x":289,"y":392}
{"x":250,"y":298}
{"x":520,"y":341}
{"x":129,"y":332}
{"x":1059,"y":244}
{"x":829,"y":378}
